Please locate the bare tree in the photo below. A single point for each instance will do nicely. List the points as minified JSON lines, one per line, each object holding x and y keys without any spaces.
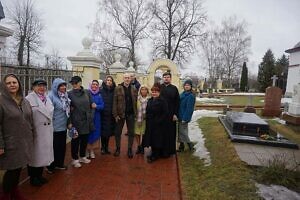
{"x":54,"y":60}
{"x":177,"y":25}
{"x":212,"y":55}
{"x":28,"y":29}
{"x":225,"y":49}
{"x":130,"y":19}
{"x":234,"y":43}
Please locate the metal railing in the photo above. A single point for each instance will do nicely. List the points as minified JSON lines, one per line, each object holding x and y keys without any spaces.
{"x":28,"y":74}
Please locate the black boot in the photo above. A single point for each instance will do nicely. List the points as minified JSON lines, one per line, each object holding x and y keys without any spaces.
{"x":139,"y":149}
{"x":129,"y":153}
{"x":106,"y":146}
{"x":103,"y":145}
{"x":117,"y":152}
{"x":35,"y":181}
{"x":142,"y":149}
{"x":191,"y":146}
{"x":181,"y":147}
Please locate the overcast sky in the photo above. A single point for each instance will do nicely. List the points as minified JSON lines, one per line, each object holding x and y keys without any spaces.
{"x":273,"y":24}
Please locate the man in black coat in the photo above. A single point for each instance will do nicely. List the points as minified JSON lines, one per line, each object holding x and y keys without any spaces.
{"x":170,"y":93}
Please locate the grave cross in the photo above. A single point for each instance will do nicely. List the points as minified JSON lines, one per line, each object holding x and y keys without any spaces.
{"x":274,"y":78}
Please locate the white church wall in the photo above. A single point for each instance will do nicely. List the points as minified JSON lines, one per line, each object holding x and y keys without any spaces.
{"x":295,"y":58}
{"x":294,"y":73}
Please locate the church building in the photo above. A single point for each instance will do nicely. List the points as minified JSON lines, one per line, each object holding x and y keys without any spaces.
{"x":294,"y":69}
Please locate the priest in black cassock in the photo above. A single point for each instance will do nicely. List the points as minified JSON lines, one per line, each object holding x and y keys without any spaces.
{"x":170,"y":93}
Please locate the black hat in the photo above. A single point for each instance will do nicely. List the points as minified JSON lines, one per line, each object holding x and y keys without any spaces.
{"x":188,"y":81}
{"x":75,"y":79}
{"x":39,"y":82}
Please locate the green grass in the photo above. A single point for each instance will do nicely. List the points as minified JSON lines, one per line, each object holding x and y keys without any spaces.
{"x":243,"y":100}
{"x":227,"y":178}
{"x":239,"y":100}
{"x":289,"y":131}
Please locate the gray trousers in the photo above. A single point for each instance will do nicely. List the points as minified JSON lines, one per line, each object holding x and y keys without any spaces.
{"x":183,"y":132}
{"x":130,"y":128}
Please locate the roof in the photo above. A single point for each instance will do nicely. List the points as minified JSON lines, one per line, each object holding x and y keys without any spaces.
{"x":1,"y":11}
{"x":294,"y":49}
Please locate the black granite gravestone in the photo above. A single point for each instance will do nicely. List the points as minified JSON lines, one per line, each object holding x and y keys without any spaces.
{"x":246,"y":124}
{"x":250,"y":128}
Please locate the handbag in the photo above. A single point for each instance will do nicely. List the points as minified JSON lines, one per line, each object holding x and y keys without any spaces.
{"x":73,"y":133}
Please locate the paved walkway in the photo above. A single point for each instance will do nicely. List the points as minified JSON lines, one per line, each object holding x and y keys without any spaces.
{"x":262,"y":155}
{"x":109,"y":177}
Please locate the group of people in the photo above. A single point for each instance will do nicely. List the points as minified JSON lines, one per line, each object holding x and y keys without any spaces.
{"x":33,"y":129}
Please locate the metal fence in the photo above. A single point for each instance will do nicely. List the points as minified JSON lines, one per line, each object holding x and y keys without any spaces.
{"x":28,"y":74}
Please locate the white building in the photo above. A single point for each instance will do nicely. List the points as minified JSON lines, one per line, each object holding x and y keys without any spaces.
{"x":294,"y":69}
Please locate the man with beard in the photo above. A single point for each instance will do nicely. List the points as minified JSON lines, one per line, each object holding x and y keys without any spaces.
{"x":170,"y":93}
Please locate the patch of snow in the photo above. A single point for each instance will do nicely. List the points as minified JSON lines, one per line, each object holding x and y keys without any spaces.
{"x":246,"y":94}
{"x":279,"y":120}
{"x":196,"y":135}
{"x":286,"y":100}
{"x":276,"y":192}
{"x":210,"y":100}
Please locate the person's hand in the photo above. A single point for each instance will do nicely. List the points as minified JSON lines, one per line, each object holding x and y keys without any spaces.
{"x":117,"y":118}
{"x":1,"y":151}
{"x":94,"y":105}
{"x":175,"y":118}
{"x":70,"y":126}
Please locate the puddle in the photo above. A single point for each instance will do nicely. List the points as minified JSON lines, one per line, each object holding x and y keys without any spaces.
{"x":196,"y":135}
{"x":276,"y":192}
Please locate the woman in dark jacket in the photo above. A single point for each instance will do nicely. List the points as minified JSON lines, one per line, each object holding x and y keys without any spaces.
{"x":156,"y":117}
{"x":16,"y":134}
{"x":81,"y":118}
{"x":108,"y":121}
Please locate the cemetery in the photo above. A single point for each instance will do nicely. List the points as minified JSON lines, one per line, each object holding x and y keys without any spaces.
{"x":245,"y":132}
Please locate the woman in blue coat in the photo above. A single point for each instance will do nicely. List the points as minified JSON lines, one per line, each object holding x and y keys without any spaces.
{"x":94,"y":137}
{"x":186,"y":109}
{"x":61,"y":103}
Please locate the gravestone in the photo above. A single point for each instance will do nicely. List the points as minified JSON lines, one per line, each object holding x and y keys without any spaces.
{"x":293,"y":115}
{"x":219,"y":84}
{"x":210,"y":91}
{"x":250,"y":108}
{"x":272,"y":100}
{"x":250,"y":128}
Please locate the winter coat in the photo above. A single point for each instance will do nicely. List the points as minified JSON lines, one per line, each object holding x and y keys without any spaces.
{"x":186,"y":106}
{"x":60,"y":117}
{"x":95,"y":135}
{"x":81,"y":116}
{"x":108,"y":121}
{"x":119,"y":101}
{"x":156,"y":116}
{"x":42,"y":153}
{"x":136,"y":84}
{"x":171,"y":95}
{"x":16,"y":131}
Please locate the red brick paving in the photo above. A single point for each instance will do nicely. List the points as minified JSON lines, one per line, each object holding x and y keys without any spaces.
{"x":109,"y":177}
